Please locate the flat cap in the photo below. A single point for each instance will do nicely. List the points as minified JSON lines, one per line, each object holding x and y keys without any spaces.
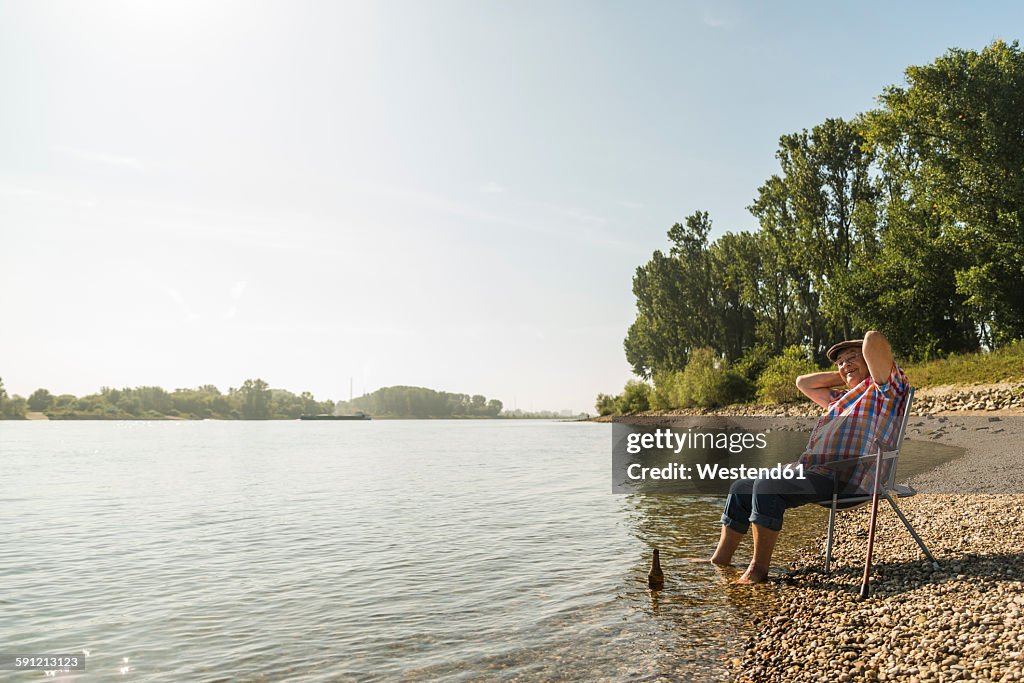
{"x":848,"y":344}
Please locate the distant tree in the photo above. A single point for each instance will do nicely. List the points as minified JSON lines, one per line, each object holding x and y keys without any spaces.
{"x":309,"y":404}
{"x":254,"y":396}
{"x":111,"y":396}
{"x":494,"y":407}
{"x":13,"y":408}
{"x":155,"y":399}
{"x":132,"y":405}
{"x":64,"y":401}
{"x":40,"y":400}
{"x":420,"y":402}
{"x":606,"y":404}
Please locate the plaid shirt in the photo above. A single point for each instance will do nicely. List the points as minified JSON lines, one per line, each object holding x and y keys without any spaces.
{"x":857,"y":420}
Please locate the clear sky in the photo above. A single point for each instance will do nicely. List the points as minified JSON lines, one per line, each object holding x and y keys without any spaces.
{"x":450,"y":194}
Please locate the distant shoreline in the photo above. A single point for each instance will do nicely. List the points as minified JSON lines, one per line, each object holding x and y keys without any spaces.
{"x":257,"y":400}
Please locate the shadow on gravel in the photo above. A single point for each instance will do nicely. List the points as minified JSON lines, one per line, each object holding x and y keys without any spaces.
{"x":888,"y":578}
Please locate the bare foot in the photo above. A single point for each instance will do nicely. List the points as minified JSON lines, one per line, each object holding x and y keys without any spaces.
{"x":753,"y":575}
{"x":720,"y":561}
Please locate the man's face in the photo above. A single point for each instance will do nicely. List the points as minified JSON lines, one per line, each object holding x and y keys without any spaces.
{"x":851,"y":366}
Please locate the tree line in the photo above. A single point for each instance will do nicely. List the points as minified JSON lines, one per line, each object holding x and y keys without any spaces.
{"x":908,"y":219}
{"x":420,"y":402}
{"x":254,"y":400}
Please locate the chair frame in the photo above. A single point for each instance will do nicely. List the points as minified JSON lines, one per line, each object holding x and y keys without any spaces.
{"x":884,"y":489}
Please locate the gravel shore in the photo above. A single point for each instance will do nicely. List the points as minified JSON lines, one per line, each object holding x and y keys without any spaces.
{"x":961,"y":622}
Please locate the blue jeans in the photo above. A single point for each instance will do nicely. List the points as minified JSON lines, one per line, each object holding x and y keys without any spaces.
{"x":764,"y":501}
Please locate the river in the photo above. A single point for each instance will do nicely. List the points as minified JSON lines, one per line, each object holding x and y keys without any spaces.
{"x":377,"y":550}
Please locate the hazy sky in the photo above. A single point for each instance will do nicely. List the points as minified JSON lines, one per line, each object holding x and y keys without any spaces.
{"x":437,"y":193}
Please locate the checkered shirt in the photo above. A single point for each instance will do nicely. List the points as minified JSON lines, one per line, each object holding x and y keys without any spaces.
{"x":857,"y":420}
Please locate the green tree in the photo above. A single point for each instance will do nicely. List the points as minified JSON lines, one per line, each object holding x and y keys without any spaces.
{"x":11,"y":407}
{"x":675,"y":301}
{"x":735,"y":267}
{"x":606,"y":404}
{"x":254,"y":398}
{"x":952,"y":146}
{"x":494,"y":407}
{"x":40,"y":400}
{"x":770,"y":292}
{"x":657,"y":339}
{"x":132,"y":405}
{"x":823,"y":211}
{"x":309,"y":404}
{"x":420,"y":402}
{"x":635,"y":397}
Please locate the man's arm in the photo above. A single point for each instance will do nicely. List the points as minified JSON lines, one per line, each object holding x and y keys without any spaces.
{"x":878,"y":356}
{"x":818,"y":386}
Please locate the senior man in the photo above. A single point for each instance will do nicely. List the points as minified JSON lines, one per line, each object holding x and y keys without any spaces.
{"x":857,"y":417}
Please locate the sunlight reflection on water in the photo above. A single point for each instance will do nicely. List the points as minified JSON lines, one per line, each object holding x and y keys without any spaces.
{"x":426,"y":550}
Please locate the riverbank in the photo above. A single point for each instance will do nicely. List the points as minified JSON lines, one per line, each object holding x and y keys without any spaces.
{"x":999,"y":398}
{"x":960,"y":622}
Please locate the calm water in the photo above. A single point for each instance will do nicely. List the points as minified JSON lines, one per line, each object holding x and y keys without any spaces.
{"x":420,"y":550}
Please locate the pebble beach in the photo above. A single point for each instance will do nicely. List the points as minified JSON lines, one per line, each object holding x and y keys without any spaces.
{"x":963,"y":621}
{"x":960,"y":622}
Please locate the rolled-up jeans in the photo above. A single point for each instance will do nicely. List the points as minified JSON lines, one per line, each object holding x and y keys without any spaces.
{"x":764,"y":501}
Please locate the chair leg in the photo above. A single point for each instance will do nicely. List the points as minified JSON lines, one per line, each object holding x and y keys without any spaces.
{"x":831,"y":533}
{"x":871,"y":525}
{"x":871,"y":546}
{"x":906,"y":523}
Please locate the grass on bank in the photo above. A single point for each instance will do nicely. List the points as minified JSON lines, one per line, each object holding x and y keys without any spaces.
{"x":1004,"y":364}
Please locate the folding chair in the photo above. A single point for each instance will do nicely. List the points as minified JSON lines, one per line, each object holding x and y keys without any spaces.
{"x":885,"y":489}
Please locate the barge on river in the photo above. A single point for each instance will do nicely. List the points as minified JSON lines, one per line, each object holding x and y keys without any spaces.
{"x":357,"y":416}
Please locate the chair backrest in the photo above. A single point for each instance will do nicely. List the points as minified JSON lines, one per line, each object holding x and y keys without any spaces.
{"x":890,"y":481}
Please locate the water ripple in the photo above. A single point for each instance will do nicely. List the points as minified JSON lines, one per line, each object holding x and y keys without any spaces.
{"x":416,"y":550}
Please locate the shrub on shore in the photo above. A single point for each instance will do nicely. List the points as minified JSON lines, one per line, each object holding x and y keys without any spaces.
{"x":636,"y":397}
{"x":707,"y":382}
{"x":777,"y":384}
